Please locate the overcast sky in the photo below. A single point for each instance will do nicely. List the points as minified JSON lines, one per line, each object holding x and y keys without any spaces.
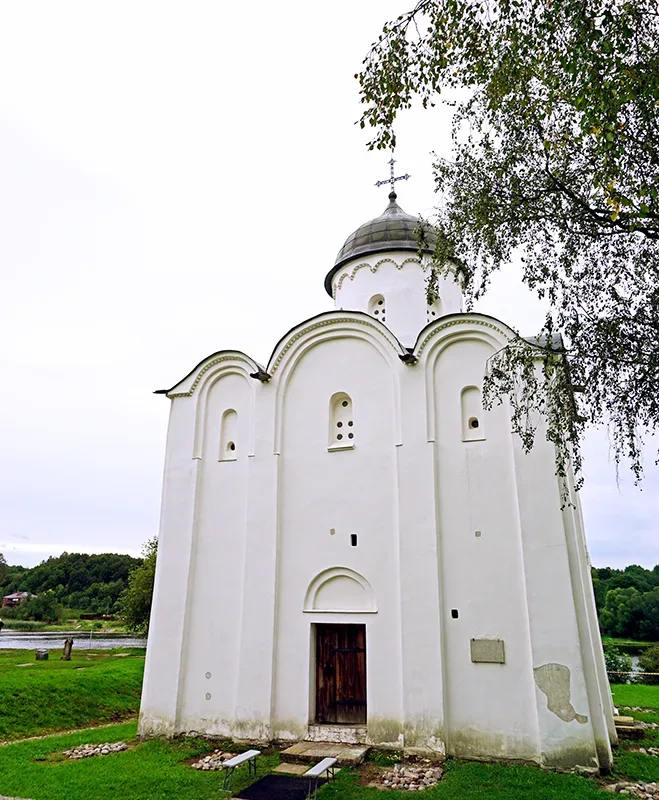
{"x":176,"y":178}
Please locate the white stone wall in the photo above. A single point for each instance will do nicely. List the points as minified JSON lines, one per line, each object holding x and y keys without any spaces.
{"x":400,"y":280}
{"x":255,"y":551}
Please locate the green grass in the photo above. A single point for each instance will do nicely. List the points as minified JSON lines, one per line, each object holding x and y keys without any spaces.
{"x":631,"y":646}
{"x":150,"y":770}
{"x":157,"y":770}
{"x":96,"y":686}
{"x":476,"y":781}
{"x":639,"y":695}
{"x":71,"y":624}
{"x":24,"y":625}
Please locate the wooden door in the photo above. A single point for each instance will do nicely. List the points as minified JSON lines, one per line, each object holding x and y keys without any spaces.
{"x":341,"y":674}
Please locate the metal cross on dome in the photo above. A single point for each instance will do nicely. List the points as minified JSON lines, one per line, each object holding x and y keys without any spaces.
{"x":391,"y":180}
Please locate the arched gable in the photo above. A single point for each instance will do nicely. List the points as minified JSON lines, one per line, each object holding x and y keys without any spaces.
{"x":436,"y":337}
{"x":340,"y":590}
{"x":210,"y":374}
{"x":325,"y":327}
{"x":187,"y":386}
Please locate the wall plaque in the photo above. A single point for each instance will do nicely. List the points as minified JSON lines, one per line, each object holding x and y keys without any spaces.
{"x":487,"y":651}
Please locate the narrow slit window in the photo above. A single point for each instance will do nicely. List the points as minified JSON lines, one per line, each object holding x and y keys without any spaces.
{"x":229,"y":436}
{"x":472,"y":414}
{"x":353,"y":539}
{"x":341,"y":423}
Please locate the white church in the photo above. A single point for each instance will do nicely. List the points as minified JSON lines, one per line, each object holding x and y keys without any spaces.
{"x":352,"y":549}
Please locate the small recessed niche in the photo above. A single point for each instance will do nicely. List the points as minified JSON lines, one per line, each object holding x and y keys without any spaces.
{"x":353,"y":539}
{"x":454,"y":613}
{"x":228,"y":435}
{"x":332,"y":531}
{"x":472,"y":414}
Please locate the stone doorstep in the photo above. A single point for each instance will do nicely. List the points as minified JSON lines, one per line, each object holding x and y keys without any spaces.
{"x":345,"y":734}
{"x":312,"y":752}
{"x":291,"y":769}
{"x":294,"y":769}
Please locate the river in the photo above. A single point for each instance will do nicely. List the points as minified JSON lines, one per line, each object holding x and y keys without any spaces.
{"x":55,"y":641}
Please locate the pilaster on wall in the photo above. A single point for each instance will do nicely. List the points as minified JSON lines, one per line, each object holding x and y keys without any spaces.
{"x":162,"y":677}
{"x":569,"y":715}
{"x":593,"y":623}
{"x":253,"y":709}
{"x":421,"y":624}
{"x":581,"y":588}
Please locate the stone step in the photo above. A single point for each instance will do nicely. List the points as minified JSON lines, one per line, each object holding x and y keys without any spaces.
{"x":311,"y":752}
{"x":288,"y":769}
{"x":635,"y":730}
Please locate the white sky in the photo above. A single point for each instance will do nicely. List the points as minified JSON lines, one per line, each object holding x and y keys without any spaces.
{"x":176,"y":179}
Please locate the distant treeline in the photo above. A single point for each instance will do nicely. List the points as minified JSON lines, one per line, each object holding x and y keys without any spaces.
{"x":89,"y":583}
{"x":628,"y":601}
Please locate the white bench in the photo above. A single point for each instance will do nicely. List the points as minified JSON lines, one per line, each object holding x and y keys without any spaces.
{"x":230,"y":765}
{"x":325,"y":767}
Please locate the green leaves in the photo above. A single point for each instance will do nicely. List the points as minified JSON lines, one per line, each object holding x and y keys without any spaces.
{"x":135,"y":601}
{"x":555,"y":161}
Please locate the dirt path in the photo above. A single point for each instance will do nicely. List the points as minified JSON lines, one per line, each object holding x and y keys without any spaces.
{"x":64,"y":733}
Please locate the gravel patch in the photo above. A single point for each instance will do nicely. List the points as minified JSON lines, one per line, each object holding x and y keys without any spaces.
{"x":649,"y":791}
{"x":409,"y":778}
{"x":636,"y":708}
{"x":88,"y":750}
{"x":214,"y":761}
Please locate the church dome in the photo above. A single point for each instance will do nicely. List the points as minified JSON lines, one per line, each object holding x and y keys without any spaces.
{"x":392,"y":230}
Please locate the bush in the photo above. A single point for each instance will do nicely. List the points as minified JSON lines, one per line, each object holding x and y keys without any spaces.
{"x":43,"y":608}
{"x":617,"y":662}
{"x":135,"y":601}
{"x":649,"y":662}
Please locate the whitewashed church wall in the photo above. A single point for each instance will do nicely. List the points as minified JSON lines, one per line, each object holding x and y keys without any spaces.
{"x":599,"y":693}
{"x":256,"y":656}
{"x":211,"y":645}
{"x":163,"y":670}
{"x":423,"y":695}
{"x":325,"y":496}
{"x":400,"y":281}
{"x":557,"y":655}
{"x":598,"y":651}
{"x":490,"y":706}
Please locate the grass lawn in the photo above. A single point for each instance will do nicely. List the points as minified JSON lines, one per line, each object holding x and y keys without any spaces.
{"x":633,"y":646}
{"x":96,"y":686}
{"x":158,"y":769}
{"x":639,"y":695}
{"x":150,"y":770}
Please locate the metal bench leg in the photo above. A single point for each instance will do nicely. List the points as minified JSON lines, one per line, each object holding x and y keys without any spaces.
{"x":228,"y":776}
